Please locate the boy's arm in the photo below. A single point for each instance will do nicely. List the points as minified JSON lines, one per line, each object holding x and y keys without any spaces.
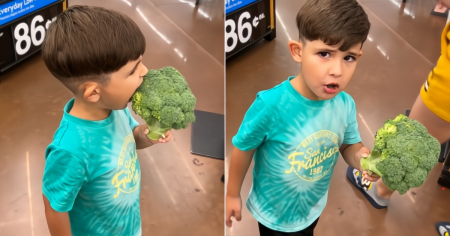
{"x":349,"y":152}
{"x":58,"y":222}
{"x":255,"y":128}
{"x":352,"y":149}
{"x":239,"y":163}
{"x":352,"y":154}
{"x":64,"y":176}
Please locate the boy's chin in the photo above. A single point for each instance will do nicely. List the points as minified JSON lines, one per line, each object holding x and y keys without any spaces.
{"x":326,"y":96}
{"x":120,"y":107}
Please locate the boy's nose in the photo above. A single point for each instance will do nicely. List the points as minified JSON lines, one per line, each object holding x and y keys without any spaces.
{"x":144,"y":71}
{"x":336,"y":69}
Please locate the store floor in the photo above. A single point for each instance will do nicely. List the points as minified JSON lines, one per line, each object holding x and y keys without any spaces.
{"x":181,"y":193}
{"x":402,"y":48}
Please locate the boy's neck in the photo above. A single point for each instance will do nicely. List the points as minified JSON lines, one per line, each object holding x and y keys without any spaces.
{"x":301,"y":87}
{"x":87,"y":111}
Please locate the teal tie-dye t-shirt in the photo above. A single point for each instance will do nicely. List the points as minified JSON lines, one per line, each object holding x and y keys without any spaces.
{"x":92,"y":171}
{"x":297,"y":143}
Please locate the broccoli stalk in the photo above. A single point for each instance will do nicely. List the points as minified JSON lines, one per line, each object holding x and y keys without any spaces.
{"x":403,"y":155}
{"x":164,"y":101}
{"x":370,"y":163}
{"x":154,"y":128}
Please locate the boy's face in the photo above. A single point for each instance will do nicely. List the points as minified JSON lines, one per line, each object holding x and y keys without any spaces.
{"x":117,"y":93}
{"x":326,"y":70}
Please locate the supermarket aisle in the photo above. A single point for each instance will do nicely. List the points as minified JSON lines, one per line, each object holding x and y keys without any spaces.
{"x":177,"y":195}
{"x":386,"y":82}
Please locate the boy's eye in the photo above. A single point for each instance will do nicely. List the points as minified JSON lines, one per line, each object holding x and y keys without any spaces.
{"x":324,"y":54}
{"x":132,"y":72}
{"x":349,"y":58}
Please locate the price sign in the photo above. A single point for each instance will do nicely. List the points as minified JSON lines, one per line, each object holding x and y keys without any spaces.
{"x":242,"y":31}
{"x":233,"y":5}
{"x":7,"y":55}
{"x":29,"y":33}
{"x":247,"y":25}
{"x":24,"y":36}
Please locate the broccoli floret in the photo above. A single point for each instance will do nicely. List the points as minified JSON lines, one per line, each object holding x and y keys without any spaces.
{"x":164,"y":101}
{"x":403,"y":155}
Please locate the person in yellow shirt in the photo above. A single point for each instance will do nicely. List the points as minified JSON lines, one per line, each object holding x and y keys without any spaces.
{"x":432,"y":109}
{"x":435,"y":93}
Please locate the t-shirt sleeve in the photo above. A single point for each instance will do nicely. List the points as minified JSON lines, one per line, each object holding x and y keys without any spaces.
{"x":133,"y":123}
{"x":64,"y":174}
{"x":352,"y":133}
{"x":255,"y":126}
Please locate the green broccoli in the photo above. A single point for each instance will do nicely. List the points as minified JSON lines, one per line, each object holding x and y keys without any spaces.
{"x":403,"y":154}
{"x":164,"y":101}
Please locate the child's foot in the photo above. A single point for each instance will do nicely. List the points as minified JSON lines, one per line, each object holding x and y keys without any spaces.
{"x":443,"y":228}
{"x":440,"y":10}
{"x":367,"y":188}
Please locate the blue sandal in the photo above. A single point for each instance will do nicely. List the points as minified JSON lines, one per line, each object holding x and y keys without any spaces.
{"x":443,"y":228}
{"x":355,"y":178}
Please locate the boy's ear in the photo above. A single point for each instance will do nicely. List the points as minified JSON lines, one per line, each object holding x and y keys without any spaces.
{"x":296,"y":49}
{"x":91,"y":92}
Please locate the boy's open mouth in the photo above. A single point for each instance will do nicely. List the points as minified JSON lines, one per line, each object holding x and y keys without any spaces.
{"x":331,"y":88}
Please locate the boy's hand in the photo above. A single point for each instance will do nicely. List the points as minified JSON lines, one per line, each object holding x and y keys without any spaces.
{"x":364,"y":153}
{"x":233,"y":208}
{"x":142,"y":140}
{"x":168,"y":136}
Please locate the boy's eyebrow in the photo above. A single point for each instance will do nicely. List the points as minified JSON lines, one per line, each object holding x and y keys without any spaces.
{"x":327,"y":50}
{"x":353,"y":54}
{"x":335,"y":50}
{"x":134,"y":68}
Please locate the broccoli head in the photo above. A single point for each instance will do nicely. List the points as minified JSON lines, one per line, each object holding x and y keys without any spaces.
{"x":403,"y":155}
{"x":164,"y":101}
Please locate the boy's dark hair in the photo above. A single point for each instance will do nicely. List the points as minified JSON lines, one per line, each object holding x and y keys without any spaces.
{"x":333,"y":22}
{"x":89,"y":43}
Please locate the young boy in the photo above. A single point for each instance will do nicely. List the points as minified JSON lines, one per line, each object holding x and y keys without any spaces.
{"x":295,"y":131}
{"x":91,"y":181}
